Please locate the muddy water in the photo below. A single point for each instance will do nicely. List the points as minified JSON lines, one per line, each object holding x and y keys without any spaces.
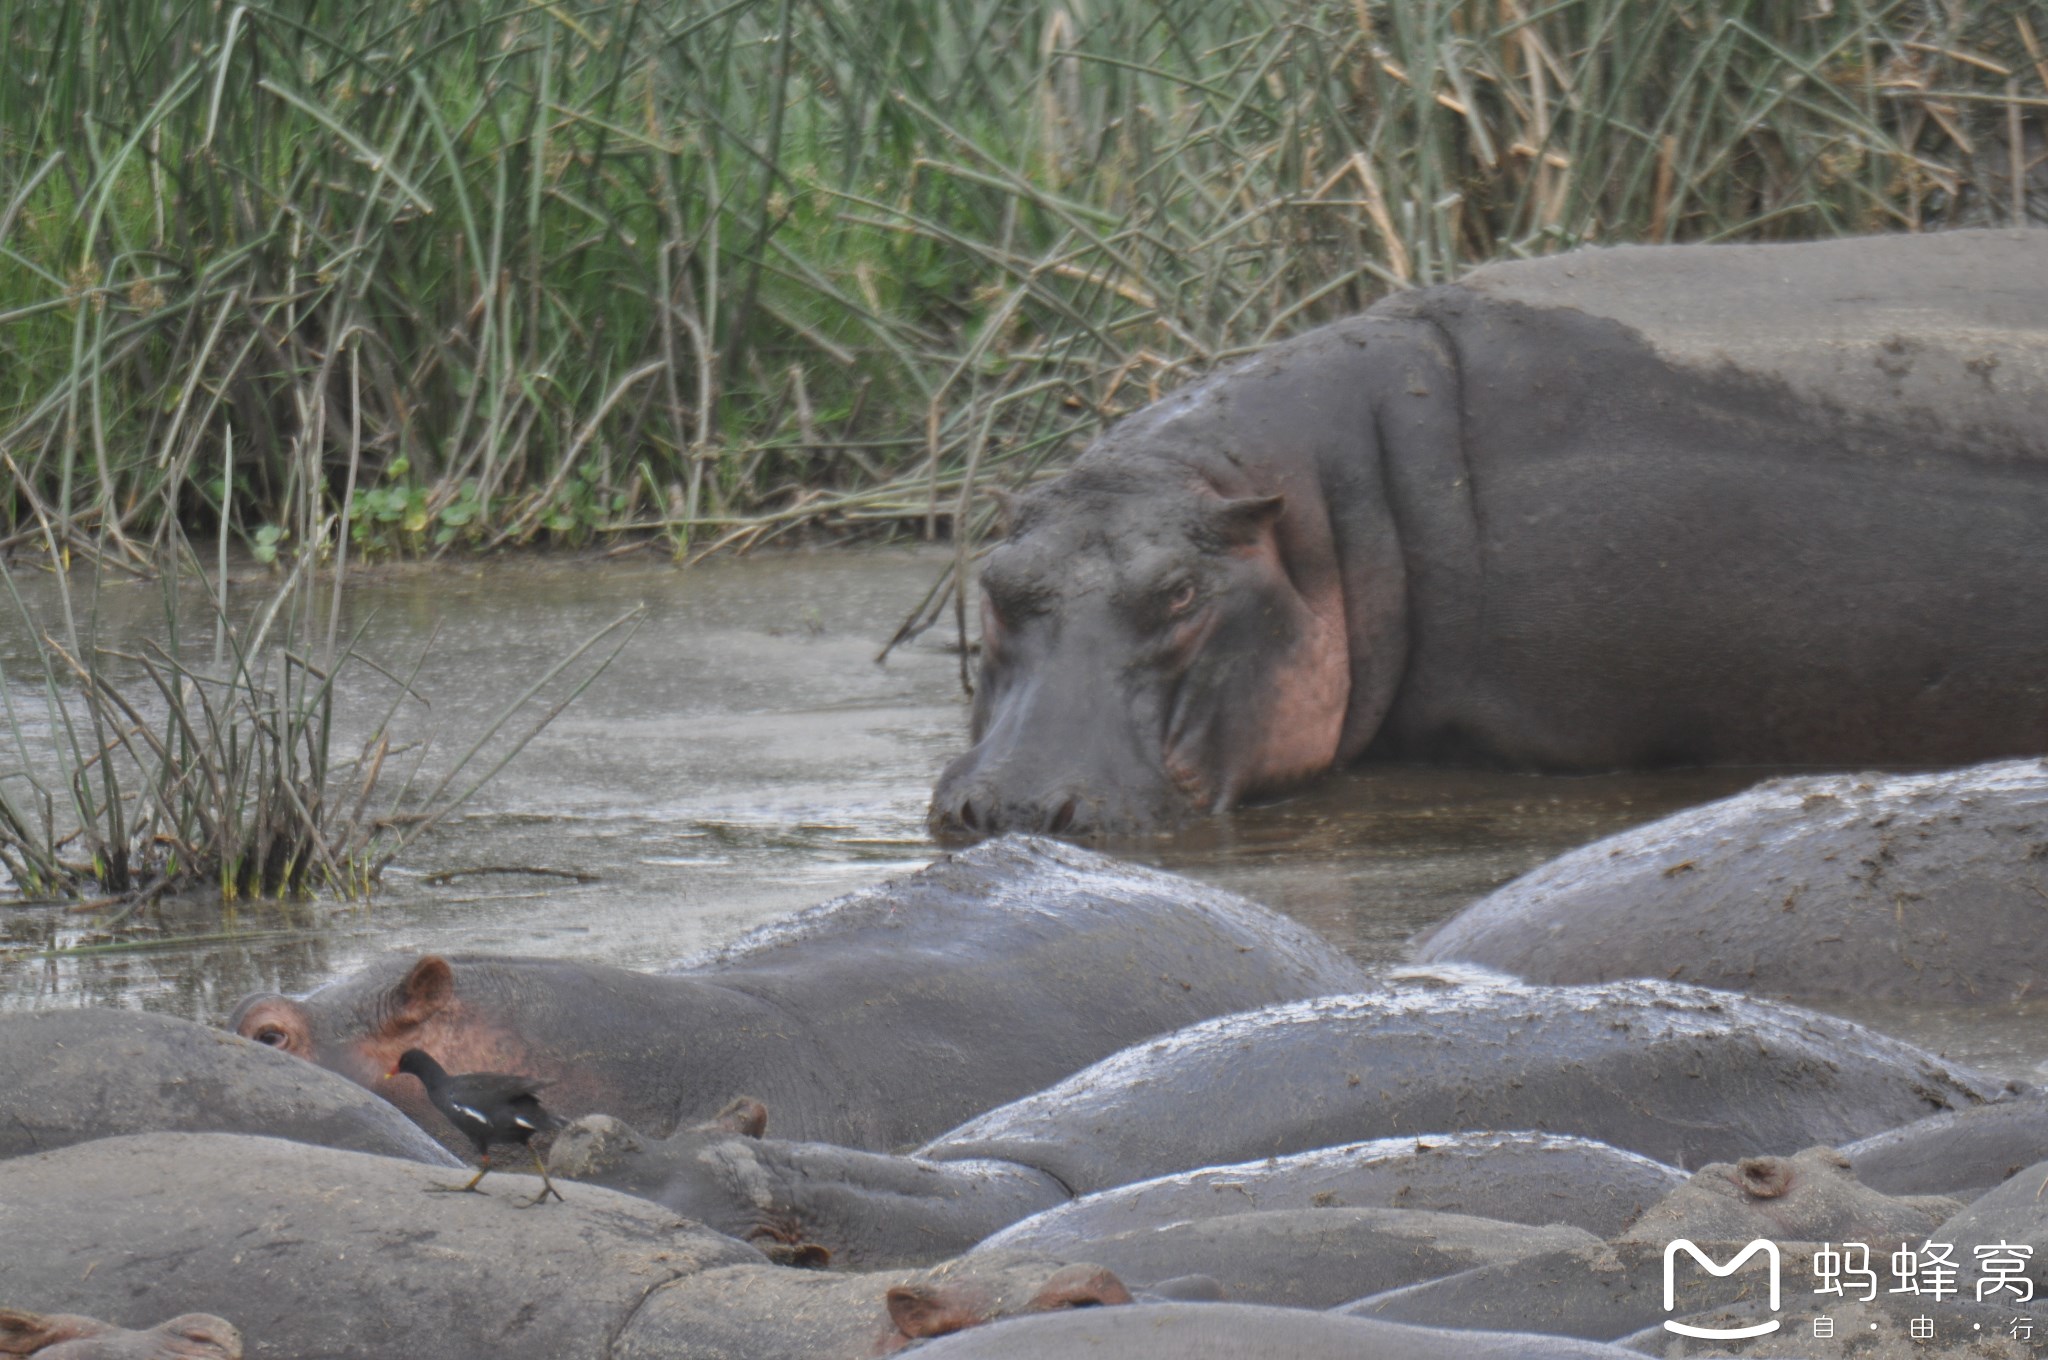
{"x":746,"y":756}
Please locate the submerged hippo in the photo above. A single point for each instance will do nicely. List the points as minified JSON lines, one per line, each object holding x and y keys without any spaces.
{"x":67,"y":1336}
{"x":322,"y":1252}
{"x":1623,"y":507}
{"x":1533,"y":1178}
{"x":1912,"y":887}
{"x":68,"y":1076}
{"x":1958,"y":1152}
{"x":875,"y":1021}
{"x":1608,"y":1292}
{"x":1235,"y":1331}
{"x":1681,"y":1074}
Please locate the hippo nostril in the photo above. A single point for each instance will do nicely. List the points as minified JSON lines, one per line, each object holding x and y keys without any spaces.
{"x":1062,"y":820}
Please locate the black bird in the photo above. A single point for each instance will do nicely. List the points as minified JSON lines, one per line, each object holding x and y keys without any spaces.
{"x":491,"y":1107}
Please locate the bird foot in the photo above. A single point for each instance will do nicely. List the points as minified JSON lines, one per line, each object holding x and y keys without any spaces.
{"x":540,"y":1198}
{"x":455,"y":1190}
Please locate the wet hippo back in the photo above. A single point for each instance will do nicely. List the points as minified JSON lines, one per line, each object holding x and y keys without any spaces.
{"x":1234,"y":1331}
{"x":874,"y":1021}
{"x":1681,"y":1074}
{"x":316,"y":1252}
{"x":1924,"y":887}
{"x":73,"y":1075}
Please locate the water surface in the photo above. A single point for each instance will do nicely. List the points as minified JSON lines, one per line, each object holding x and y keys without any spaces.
{"x":746,"y":756}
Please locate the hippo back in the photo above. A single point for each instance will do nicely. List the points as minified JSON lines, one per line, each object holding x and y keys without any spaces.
{"x":1681,"y":1074}
{"x":73,"y":1075}
{"x":1001,"y":969}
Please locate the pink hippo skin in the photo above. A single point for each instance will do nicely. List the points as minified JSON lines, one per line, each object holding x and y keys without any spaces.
{"x":67,"y":1336}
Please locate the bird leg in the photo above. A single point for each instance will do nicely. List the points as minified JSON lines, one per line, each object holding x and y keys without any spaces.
{"x":547,"y":1187}
{"x":470,"y":1188}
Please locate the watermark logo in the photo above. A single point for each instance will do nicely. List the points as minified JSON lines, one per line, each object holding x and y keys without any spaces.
{"x":1763,"y":1245}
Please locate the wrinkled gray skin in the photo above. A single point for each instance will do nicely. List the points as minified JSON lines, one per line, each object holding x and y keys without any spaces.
{"x":1961,"y":1152}
{"x":315,"y":1251}
{"x":1680,"y":1074}
{"x":71,"y":1075}
{"x":1319,"y":1258}
{"x":1756,"y":504}
{"x":67,"y":1336}
{"x":2015,"y":1212}
{"x":757,"y":1313}
{"x":1811,"y":1196}
{"x":1677,"y":1073}
{"x":804,"y":1203}
{"x":872,"y":1021}
{"x":1236,"y":1331}
{"x":1519,"y":1177}
{"x":1919,"y":888}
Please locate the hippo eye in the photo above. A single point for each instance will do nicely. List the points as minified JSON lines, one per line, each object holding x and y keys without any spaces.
{"x":272,"y":1035}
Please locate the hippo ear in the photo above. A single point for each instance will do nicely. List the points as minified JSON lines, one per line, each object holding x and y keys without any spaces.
{"x":922,"y":1310}
{"x":744,"y":1116}
{"x":216,"y":1334}
{"x":1079,"y":1287}
{"x":1244,"y":519}
{"x":428,"y":988}
{"x":23,"y":1333}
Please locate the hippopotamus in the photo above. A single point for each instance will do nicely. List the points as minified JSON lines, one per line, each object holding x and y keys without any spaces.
{"x":874,"y":1021}
{"x":67,"y":1336}
{"x":1813,"y":1195}
{"x":1622,"y":507}
{"x":1236,"y":1331}
{"x":317,"y":1251}
{"x":1318,"y":1257}
{"x":1533,"y":1178}
{"x":1679,"y":1074}
{"x":1608,"y":1292}
{"x":1958,"y":1152}
{"x":74,"y":1075}
{"x":1924,"y":888}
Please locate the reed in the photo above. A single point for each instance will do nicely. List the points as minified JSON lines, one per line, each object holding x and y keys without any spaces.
{"x":709,"y":270}
{"x":133,"y":774}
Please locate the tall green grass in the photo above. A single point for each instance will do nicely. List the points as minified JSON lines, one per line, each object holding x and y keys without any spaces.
{"x":499,"y":272}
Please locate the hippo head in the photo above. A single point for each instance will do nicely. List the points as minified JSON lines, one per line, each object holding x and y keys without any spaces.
{"x":360,"y":1026}
{"x":67,"y":1336}
{"x":985,"y":1286}
{"x":1151,"y":649}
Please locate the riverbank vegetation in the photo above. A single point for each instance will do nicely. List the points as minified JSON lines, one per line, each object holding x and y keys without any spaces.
{"x":406,"y":278}
{"x":325,"y":281}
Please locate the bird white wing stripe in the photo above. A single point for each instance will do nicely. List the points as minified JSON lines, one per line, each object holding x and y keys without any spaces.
{"x":523,"y":1122}
{"x":477,"y":1115}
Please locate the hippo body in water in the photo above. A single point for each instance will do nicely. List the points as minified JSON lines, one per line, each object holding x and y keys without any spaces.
{"x":67,"y":1336}
{"x":874,"y":1021}
{"x":69,"y":1076}
{"x":316,"y":1252}
{"x":1922,"y":888}
{"x":1755,"y":504}
{"x":1237,"y":1331}
{"x":1679,"y":1074}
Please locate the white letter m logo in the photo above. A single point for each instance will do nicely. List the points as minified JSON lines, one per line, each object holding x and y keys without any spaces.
{"x":1764,"y":1245}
